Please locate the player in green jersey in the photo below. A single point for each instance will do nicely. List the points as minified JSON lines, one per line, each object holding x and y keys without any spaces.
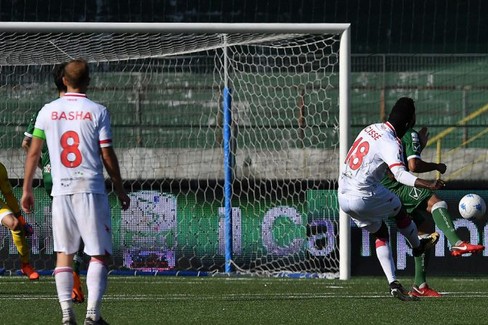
{"x":421,"y":202}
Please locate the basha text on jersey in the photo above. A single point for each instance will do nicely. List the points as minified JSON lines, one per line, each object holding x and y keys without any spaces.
{"x":71,"y":116}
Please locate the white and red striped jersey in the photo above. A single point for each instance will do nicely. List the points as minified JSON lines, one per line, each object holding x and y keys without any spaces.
{"x":75,"y":128}
{"x":375,"y":149}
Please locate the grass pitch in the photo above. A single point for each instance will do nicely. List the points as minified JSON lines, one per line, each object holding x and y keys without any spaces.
{"x":249,"y":300}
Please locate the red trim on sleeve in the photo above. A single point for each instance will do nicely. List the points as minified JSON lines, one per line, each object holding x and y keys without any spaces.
{"x":396,"y":164}
{"x":108,"y":141}
{"x":388,"y":124}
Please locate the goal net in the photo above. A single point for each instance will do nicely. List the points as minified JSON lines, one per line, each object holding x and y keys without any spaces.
{"x":227,"y":136}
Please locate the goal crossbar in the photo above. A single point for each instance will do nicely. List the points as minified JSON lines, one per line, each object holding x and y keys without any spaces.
{"x":77,"y":27}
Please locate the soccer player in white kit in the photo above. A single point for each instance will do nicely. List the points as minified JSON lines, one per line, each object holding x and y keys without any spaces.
{"x":362,"y":196}
{"x":78,"y":134}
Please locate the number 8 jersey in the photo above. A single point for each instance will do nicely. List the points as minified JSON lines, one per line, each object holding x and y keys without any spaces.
{"x":75,"y":128}
{"x":375,"y":149}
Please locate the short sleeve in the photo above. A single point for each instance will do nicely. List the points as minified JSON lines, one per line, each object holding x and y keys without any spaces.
{"x":411,"y":144}
{"x":105,"y":134}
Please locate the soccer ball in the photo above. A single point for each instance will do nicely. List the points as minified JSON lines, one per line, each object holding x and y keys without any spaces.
{"x":472,"y":206}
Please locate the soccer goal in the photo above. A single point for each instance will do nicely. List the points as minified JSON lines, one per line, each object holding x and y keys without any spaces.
{"x":229,"y":138}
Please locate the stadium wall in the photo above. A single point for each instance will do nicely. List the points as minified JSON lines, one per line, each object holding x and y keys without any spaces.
{"x":306,"y":164}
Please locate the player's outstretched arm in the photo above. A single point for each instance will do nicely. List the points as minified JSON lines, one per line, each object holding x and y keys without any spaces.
{"x":430,"y":185}
{"x":417,"y":165}
{"x":111,"y":164}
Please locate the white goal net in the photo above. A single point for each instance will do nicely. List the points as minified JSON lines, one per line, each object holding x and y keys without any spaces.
{"x":227,"y":136}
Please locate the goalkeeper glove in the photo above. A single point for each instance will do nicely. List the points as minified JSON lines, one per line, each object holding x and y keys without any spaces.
{"x":28,"y":230}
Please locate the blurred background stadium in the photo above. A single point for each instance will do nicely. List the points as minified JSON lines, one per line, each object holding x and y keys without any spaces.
{"x":433,"y":51}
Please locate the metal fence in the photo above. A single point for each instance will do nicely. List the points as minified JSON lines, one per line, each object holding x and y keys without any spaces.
{"x":157,"y":106}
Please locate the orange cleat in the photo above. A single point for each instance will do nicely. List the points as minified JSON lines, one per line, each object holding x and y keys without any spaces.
{"x":425,"y":291}
{"x":466,"y":248}
{"x":398,"y":291}
{"x":29,"y":271}
{"x":77,"y":295}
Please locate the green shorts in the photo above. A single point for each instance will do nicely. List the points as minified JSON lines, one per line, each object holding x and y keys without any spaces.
{"x":47,"y":182}
{"x":413,"y":198}
{"x":46,"y":171}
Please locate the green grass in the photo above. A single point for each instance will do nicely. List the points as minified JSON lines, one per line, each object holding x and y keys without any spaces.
{"x":245,"y":300}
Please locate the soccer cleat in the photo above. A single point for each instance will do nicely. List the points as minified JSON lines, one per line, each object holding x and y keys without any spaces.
{"x":77,"y":295}
{"x":426,"y":244}
{"x":398,"y":291}
{"x":69,"y":321}
{"x":425,"y":291}
{"x":29,"y":271}
{"x":466,"y":248}
{"x":100,"y":321}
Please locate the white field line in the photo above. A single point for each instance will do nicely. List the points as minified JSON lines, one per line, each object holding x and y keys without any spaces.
{"x":245,"y":297}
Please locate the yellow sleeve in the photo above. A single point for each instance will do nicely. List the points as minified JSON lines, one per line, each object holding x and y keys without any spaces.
{"x":7,"y":190}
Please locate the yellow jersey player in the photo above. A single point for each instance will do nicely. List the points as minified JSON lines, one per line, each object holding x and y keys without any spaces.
{"x":12,"y":219}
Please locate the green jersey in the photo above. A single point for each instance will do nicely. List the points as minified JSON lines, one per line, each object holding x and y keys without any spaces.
{"x":411,"y":149}
{"x":410,"y":196}
{"x":45,"y":162}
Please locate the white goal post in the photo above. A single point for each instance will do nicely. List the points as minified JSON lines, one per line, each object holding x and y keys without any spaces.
{"x":229,"y":138}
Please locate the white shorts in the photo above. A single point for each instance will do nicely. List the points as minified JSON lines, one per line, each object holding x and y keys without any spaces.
{"x":84,"y":215}
{"x":369,"y":211}
{"x":4,"y":211}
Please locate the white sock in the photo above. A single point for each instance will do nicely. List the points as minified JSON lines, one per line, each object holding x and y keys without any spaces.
{"x":411,"y":234}
{"x":96,"y":282}
{"x":63,"y":276}
{"x":67,"y":310}
{"x":423,"y":285}
{"x":383,"y":252}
